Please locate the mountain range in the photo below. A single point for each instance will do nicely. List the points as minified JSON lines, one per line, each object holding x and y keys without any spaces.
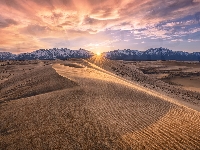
{"x":49,"y":54}
{"x":126,"y":54}
{"x":152,"y":54}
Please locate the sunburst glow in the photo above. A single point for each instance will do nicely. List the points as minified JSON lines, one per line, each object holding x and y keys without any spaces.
{"x":98,"y":53}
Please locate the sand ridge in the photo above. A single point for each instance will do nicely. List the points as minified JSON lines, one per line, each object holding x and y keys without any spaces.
{"x":125,"y":112}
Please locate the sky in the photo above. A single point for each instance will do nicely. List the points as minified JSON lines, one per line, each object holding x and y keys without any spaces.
{"x":99,"y":25}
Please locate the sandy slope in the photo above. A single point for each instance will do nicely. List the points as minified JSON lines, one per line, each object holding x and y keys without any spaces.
{"x":55,"y":117}
{"x":130,"y":72}
{"x":142,"y":118}
{"x":40,"y":80}
{"x":94,"y":109}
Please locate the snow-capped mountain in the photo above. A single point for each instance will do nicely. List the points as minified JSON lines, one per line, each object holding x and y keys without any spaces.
{"x":120,"y":54}
{"x":123,"y":52}
{"x":126,"y":54}
{"x":153,"y":54}
{"x":54,"y":53}
{"x":158,"y":51}
{"x":6,"y":55}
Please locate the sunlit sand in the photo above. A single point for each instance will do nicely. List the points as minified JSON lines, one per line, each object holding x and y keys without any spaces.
{"x":144,"y":114}
{"x":79,"y":105}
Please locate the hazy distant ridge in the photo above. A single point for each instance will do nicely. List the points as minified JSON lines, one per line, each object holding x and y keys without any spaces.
{"x":54,"y":53}
{"x":153,"y":54}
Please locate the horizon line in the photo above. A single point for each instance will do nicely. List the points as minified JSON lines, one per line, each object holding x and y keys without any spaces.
{"x":98,"y":51}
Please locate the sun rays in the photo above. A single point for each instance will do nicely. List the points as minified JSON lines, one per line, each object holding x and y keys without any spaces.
{"x":98,"y":53}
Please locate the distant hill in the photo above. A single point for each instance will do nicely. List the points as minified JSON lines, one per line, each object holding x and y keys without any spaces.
{"x":152,"y":54}
{"x":49,"y":54}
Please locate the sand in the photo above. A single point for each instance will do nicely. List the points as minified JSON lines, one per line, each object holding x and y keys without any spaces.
{"x":134,"y":113}
{"x":92,"y":108}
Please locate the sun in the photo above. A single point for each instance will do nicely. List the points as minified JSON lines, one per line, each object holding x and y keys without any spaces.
{"x":98,"y":53}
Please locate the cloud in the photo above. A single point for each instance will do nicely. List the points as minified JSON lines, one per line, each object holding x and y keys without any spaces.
{"x":106,"y":13}
{"x":58,"y":20}
{"x":36,"y":30}
{"x":7,"y":22}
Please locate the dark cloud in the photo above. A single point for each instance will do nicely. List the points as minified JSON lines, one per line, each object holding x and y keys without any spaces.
{"x":14,"y":4}
{"x":197,"y":17}
{"x":35,"y":29}
{"x":7,"y":22}
{"x":170,"y":8}
{"x":96,"y":2}
{"x":91,"y":21}
{"x":167,"y":10}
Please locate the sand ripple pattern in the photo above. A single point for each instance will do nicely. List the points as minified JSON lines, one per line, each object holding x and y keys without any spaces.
{"x":143,"y":119}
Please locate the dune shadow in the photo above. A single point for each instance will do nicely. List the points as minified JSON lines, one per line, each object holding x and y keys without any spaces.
{"x":38,"y":81}
{"x":73,"y":65}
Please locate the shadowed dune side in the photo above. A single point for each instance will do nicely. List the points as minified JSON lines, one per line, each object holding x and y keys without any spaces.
{"x":75,"y":65}
{"x":38,"y":81}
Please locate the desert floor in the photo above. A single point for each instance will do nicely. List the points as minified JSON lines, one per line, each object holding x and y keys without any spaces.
{"x":94,"y":104}
{"x":183,"y":74}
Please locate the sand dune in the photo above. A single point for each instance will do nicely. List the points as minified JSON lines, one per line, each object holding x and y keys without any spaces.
{"x":95,"y":109}
{"x":129,"y":71}
{"x":142,"y":119}
{"x":37,"y":81}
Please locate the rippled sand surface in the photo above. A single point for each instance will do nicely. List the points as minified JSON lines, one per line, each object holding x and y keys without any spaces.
{"x":82,"y":106}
